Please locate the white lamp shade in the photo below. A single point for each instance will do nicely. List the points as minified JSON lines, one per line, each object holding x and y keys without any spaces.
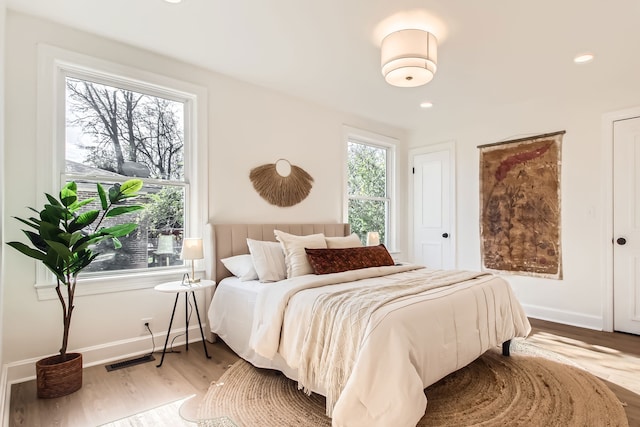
{"x":409,"y":57}
{"x":192,"y":248}
{"x":373,"y":238}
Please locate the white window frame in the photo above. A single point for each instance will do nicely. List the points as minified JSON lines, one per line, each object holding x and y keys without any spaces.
{"x":54,"y":65}
{"x":351,"y":134}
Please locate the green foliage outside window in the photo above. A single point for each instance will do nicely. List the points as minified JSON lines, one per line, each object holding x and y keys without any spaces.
{"x":367,"y":189}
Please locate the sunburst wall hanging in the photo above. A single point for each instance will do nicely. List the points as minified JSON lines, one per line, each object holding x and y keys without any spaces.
{"x":276,"y":186}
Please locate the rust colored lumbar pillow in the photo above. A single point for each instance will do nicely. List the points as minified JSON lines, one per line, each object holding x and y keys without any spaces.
{"x":325,"y":261}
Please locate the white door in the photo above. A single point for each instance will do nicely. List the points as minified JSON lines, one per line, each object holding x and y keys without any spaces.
{"x":433,"y":235}
{"x":626,"y":225}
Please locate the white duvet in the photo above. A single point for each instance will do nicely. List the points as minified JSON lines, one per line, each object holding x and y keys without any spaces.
{"x":407,"y":345}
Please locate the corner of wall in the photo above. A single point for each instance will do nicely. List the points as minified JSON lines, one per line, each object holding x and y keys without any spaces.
{"x":4,"y":395}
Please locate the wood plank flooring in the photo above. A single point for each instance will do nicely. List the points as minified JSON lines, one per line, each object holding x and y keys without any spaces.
{"x":611,"y":356}
{"x":108,"y":396}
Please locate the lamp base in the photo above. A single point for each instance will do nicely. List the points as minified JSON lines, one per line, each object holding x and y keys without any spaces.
{"x":188,"y":281}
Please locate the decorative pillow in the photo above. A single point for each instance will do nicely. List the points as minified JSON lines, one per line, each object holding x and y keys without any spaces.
{"x":268,"y":260}
{"x":241,"y":266}
{"x":295,"y":256}
{"x":351,"y":241}
{"x":325,"y":261}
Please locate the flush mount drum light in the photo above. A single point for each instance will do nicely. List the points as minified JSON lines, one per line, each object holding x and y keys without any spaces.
{"x":409,"y":57}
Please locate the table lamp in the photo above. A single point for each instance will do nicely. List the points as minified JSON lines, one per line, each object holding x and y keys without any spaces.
{"x":192,"y":250}
{"x":373,"y":238}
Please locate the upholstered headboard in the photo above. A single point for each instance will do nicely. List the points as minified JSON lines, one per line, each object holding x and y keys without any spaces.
{"x":227,"y":240}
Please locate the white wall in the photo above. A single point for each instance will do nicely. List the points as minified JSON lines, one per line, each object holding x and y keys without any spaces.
{"x":578,"y":298}
{"x":3,"y":379}
{"x":248,"y":126}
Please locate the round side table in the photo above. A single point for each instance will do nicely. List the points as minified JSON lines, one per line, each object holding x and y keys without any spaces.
{"x":178,"y":287}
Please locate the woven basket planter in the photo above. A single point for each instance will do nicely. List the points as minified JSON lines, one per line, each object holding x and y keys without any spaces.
{"x":57,"y":377}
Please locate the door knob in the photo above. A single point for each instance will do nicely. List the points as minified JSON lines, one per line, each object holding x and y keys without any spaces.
{"x":445,"y":235}
{"x":621,"y":241}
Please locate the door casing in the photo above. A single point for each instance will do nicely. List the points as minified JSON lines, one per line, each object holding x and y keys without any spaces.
{"x":607,"y":202}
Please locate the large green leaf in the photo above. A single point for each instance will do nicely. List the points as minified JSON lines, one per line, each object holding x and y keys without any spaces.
{"x":61,"y":249}
{"x":83,"y":220}
{"x":120,"y":229}
{"x":103,"y":197}
{"x":32,"y":222}
{"x":120,"y":210}
{"x":77,"y":235}
{"x":36,"y":240}
{"x":131,"y":187}
{"x":68,"y":194}
{"x":55,"y":211}
{"x":28,"y":251}
{"x":80,"y":203}
{"x":48,"y":217}
{"x":52,"y":199}
{"x":49,"y":231}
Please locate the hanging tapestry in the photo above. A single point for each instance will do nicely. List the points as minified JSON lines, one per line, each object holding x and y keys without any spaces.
{"x":520,"y":206}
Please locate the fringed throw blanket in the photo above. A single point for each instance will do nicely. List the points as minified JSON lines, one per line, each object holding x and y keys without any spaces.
{"x":340,"y":320}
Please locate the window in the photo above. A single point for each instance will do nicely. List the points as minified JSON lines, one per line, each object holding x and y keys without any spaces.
{"x":113,"y":133}
{"x":369,"y":186}
{"x":103,"y":122}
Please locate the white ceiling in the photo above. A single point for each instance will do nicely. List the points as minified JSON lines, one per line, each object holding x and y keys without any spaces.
{"x":492,"y":53}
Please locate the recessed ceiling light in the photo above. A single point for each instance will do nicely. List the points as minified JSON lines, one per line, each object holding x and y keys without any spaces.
{"x":426,"y":104}
{"x":173,"y":1}
{"x":583,"y":58}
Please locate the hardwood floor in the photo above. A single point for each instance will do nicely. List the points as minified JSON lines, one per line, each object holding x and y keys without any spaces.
{"x":107,"y":396}
{"x":613,"y":357}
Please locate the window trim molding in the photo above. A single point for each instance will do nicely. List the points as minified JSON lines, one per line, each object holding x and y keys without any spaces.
{"x":391,"y":145}
{"x":54,"y":64}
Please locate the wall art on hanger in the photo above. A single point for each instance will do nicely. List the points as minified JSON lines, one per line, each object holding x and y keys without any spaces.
{"x":281,"y":183}
{"x":520,"y":206}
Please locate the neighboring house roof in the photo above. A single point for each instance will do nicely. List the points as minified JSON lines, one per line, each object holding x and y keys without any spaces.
{"x":130,"y":168}
{"x":82,"y":169}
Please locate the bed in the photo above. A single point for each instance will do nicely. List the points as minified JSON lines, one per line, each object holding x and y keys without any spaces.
{"x":373,"y":371}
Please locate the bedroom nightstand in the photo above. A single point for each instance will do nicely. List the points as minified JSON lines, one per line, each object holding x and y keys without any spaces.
{"x":178,"y":288}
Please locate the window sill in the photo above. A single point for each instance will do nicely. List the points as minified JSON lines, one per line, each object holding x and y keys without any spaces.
{"x":111,"y":284}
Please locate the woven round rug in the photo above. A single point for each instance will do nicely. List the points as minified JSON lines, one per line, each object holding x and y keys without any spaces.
{"x":532,"y":387}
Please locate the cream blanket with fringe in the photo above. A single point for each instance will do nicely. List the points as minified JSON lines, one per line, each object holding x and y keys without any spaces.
{"x":404,"y":345}
{"x":339,"y":321}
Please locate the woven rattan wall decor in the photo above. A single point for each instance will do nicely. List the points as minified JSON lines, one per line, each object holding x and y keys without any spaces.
{"x":276,"y":186}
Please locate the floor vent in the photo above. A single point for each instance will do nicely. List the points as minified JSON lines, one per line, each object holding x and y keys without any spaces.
{"x":131,"y":362}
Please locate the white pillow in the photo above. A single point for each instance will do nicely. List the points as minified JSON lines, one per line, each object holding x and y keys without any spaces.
{"x":268,"y":260}
{"x":241,"y":266}
{"x":350,"y":241}
{"x":294,"y":253}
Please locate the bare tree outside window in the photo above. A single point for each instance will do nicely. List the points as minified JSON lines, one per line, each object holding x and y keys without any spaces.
{"x":115,"y":132}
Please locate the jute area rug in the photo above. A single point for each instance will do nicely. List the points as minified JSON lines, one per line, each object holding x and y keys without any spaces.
{"x":533,"y":387}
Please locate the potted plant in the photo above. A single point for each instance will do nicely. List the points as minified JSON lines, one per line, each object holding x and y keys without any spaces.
{"x":62,"y":238}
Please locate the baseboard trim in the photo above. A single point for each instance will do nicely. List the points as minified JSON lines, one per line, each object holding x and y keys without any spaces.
{"x":24,"y":370}
{"x":567,"y":317}
{"x":5,"y":397}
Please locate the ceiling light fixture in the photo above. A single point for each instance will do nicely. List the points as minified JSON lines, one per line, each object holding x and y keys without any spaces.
{"x":409,"y":57}
{"x":426,"y":104}
{"x":173,"y":1}
{"x":583,"y":58}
